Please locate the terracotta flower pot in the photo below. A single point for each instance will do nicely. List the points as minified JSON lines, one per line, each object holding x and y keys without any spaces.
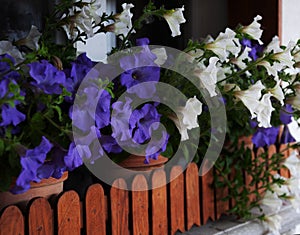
{"x":136,"y":163}
{"x":46,"y":188}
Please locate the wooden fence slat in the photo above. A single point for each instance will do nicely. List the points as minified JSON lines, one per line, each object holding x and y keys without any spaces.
{"x":159,"y":203}
{"x":140,"y":205}
{"x":259,"y":152}
{"x":221,"y":206}
{"x":119,"y":202}
{"x":192,"y":196}
{"x":208,"y":196}
{"x":69,"y":214}
{"x":271,"y":151}
{"x":286,"y":152}
{"x":248,"y":144}
{"x":248,"y":180}
{"x":95,"y":210}
{"x":41,"y":217}
{"x":177,"y":199}
{"x":12,"y":221}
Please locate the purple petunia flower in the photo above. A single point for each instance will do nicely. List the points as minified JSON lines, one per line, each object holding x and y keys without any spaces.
{"x":156,"y":146}
{"x":53,"y":168}
{"x":47,"y":77}
{"x":253,"y":123}
{"x":133,"y":77}
{"x":256,"y":51}
{"x":79,"y":69}
{"x":140,"y":68}
{"x":74,"y":157}
{"x":87,"y":147}
{"x":10,"y":115}
{"x":103,"y":110}
{"x":146,"y":54}
{"x":85,"y":116}
{"x":143,"y":121}
{"x":5,"y":63}
{"x":142,"y":41}
{"x":265,"y":136}
{"x":286,"y":114}
{"x":33,"y":159}
{"x":110,"y":144}
{"x":120,"y":120}
{"x":9,"y":76}
{"x":256,"y":48}
{"x":286,"y":136}
{"x":246,"y":42}
{"x":3,"y":87}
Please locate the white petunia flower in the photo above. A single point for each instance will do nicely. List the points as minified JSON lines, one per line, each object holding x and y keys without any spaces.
{"x":294,"y":129}
{"x":277,"y":92}
{"x":231,"y":87}
{"x":239,"y":61}
{"x":161,"y":55}
{"x":293,"y":164}
{"x":181,"y":127}
{"x":271,"y":69}
{"x":187,"y":117}
{"x":273,"y":223}
{"x":209,"y":76}
{"x":224,"y":43}
{"x":123,"y":22}
{"x":194,"y":55}
{"x":174,"y":18}
{"x":282,"y":188}
{"x":32,"y":39}
{"x":254,"y":30}
{"x":274,"y":45}
{"x":88,"y":15}
{"x":234,"y":46}
{"x":285,"y":58}
{"x":190,"y":112}
{"x":250,"y":97}
{"x":264,"y":111}
{"x":95,"y":10}
{"x":295,"y":202}
{"x":295,"y":100}
{"x":272,"y":201}
{"x":8,"y":48}
{"x":293,"y":184}
{"x":84,"y":22}
{"x":297,"y":54}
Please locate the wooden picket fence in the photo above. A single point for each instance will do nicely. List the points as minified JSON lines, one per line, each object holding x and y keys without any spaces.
{"x":186,"y":201}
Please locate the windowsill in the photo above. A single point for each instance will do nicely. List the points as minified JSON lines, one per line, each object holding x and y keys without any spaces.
{"x":227,"y":225}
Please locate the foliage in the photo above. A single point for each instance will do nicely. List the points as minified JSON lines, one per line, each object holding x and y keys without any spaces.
{"x":43,"y":100}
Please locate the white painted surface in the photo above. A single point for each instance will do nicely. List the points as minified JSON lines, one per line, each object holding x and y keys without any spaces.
{"x":291,"y":31}
{"x":290,"y":20}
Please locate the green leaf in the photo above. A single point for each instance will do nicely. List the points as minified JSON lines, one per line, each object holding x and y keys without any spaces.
{"x":37,"y":121}
{"x":59,"y":112}
{"x":2,"y":147}
{"x":168,"y":152}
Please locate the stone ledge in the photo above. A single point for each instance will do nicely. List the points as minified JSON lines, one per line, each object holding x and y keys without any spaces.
{"x":229,"y":226}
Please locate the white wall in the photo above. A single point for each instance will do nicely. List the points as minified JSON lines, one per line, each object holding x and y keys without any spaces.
{"x":290,"y":20}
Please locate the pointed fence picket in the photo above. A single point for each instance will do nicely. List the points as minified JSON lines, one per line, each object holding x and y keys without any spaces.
{"x":166,"y":208}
